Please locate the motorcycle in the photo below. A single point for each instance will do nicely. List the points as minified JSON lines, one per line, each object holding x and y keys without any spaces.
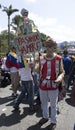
{"x":4,"y":78}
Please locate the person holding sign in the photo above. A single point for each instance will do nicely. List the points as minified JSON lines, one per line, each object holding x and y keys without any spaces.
{"x":25,"y":42}
{"x":27,"y":87}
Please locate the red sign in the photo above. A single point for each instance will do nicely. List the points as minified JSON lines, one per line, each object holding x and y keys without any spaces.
{"x":28,"y":43}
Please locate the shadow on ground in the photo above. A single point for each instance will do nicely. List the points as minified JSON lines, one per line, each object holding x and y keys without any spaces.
{"x":5,"y":99}
{"x":16,"y":116}
{"x":69,"y":102}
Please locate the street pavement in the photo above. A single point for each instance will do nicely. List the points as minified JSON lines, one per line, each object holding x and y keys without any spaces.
{"x":26,"y":120}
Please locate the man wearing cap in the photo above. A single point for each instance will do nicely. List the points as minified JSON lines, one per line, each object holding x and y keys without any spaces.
{"x":26,"y":26}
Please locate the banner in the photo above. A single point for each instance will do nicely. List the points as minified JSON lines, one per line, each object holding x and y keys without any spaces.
{"x":28,"y":43}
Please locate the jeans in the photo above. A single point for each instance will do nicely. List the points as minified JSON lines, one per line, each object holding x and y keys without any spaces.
{"x":36,"y":88}
{"x":27,"y":86}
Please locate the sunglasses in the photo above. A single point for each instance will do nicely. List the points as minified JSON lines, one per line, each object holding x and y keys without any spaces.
{"x":25,"y":14}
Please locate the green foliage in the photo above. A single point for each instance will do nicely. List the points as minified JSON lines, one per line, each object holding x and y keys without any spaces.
{"x":9,"y":10}
{"x":44,"y":37}
{"x":15,"y":22}
{"x":4,"y":41}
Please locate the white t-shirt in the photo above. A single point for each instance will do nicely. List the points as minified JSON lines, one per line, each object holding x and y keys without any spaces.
{"x":25,"y":74}
{"x":13,"y":69}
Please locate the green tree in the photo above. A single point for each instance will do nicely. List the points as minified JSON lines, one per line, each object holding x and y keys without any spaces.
{"x":4,"y":41}
{"x":9,"y":11}
{"x":16,"y":21}
{"x":44,"y":37}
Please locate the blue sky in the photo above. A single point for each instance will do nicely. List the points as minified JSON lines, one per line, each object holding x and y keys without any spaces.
{"x":55,"y":18}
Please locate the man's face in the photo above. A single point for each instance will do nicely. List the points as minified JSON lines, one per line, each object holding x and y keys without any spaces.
{"x":25,"y":15}
{"x":49,"y":49}
{"x":14,"y":50}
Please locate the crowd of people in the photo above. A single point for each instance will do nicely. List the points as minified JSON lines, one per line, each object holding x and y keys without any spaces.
{"x":51,"y":74}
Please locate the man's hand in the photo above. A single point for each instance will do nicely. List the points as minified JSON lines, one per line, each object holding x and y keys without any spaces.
{"x":57,"y":81}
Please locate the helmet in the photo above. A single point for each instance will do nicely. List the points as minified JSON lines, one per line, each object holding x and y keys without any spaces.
{"x":23,"y":11}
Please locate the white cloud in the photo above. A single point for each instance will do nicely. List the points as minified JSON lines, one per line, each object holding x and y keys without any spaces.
{"x":32,"y":1}
{"x":41,"y":21}
{"x":3,"y":28}
{"x":53,"y":28}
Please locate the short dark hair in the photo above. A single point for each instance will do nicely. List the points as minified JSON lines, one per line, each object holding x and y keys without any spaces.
{"x":50,"y":42}
{"x":65,"y":52}
{"x":13,"y":48}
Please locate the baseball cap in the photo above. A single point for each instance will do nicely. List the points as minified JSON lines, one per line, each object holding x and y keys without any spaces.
{"x":23,"y":11}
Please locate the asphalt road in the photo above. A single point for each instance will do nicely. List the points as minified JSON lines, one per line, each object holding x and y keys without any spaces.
{"x":26,"y":120}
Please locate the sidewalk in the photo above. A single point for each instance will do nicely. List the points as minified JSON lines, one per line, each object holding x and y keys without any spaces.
{"x":26,"y":120}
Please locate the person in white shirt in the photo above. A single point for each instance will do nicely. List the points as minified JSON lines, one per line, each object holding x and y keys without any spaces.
{"x":27,"y":86}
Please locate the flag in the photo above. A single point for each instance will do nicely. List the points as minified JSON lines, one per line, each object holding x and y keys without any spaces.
{"x":20,"y":62}
{"x":14,"y":61}
{"x":11,"y":60}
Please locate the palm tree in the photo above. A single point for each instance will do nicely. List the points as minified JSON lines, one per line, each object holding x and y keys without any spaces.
{"x":16,"y":21}
{"x":9,"y":12}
